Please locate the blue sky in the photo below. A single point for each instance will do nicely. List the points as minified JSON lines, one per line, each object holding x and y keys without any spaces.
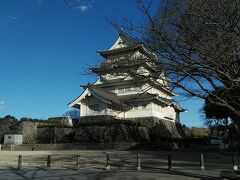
{"x":44,"y":46}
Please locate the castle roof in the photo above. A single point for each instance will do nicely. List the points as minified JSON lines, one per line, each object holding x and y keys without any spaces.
{"x":124,"y":101}
{"x":113,"y":66}
{"x":125,"y":44}
{"x":106,"y":96}
{"x":136,"y":80}
{"x":128,"y":99}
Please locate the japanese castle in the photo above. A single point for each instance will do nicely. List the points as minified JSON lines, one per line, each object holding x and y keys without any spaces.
{"x":131,"y":86}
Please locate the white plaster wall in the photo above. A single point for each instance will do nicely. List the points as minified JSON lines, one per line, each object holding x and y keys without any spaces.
{"x":159,"y":93}
{"x":121,"y":57}
{"x":169,"y":112}
{"x":117,"y":114}
{"x":138,"y":88}
{"x":163,"y":112}
{"x":126,"y":56}
{"x":151,"y":110}
{"x":140,"y":112}
{"x":119,"y":44}
{"x":121,"y":89}
{"x":138,"y":55}
{"x":143,"y":71}
{"x":83,"y":110}
{"x":158,"y":111}
{"x":13,"y":139}
{"x":86,"y":111}
{"x":163,"y":79}
{"x":148,"y":88}
{"x":130,"y":56}
{"x":115,"y":76}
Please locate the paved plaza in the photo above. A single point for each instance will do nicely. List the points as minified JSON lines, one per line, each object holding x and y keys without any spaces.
{"x":154,"y":165}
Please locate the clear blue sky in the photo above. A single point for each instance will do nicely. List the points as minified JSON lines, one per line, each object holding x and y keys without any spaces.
{"x":44,"y":45}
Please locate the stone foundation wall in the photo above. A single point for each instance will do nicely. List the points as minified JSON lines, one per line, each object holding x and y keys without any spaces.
{"x":101,"y":130}
{"x":29,"y":132}
{"x":110,"y":133}
{"x":160,"y":128}
{"x":53,"y":135}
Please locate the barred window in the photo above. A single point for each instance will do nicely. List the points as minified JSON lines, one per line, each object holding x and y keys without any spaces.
{"x":135,"y":106}
{"x":144,"y":106}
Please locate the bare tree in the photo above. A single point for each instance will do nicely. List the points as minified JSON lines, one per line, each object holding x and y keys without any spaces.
{"x":197,"y":42}
{"x":73,"y":114}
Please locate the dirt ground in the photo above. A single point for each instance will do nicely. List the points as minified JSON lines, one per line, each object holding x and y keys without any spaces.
{"x":123,"y":165}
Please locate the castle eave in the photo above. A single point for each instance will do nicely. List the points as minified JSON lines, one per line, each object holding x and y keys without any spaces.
{"x":139,"y":46}
{"x":106,"y":96}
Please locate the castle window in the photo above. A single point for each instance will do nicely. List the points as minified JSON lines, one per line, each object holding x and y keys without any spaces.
{"x":132,"y":89}
{"x":135,"y":106}
{"x":127,"y":89}
{"x":144,"y":106}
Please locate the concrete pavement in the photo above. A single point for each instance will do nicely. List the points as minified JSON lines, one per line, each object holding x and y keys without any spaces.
{"x":123,"y":165}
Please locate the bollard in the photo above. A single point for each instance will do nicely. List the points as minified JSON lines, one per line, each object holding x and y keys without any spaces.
{"x":19,"y":162}
{"x":169,"y":162}
{"x":78,"y":162}
{"x":202,"y":167}
{"x":235,"y":167}
{"x":139,"y":162}
{"x":108,"y":167}
{"x":12,"y":147}
{"x":49,"y":159}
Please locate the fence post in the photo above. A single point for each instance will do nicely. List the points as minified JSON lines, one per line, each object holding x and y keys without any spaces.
{"x":49,"y":159}
{"x":202,"y":167}
{"x":108,"y":167}
{"x":139,"y":162}
{"x":169,"y":162}
{"x":78,"y":162}
{"x":19,"y":162}
{"x":235,"y":167}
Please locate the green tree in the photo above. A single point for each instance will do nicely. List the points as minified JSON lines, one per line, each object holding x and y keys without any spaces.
{"x":8,"y":125}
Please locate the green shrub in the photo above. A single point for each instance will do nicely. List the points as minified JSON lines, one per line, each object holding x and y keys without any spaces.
{"x":25,"y":119}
